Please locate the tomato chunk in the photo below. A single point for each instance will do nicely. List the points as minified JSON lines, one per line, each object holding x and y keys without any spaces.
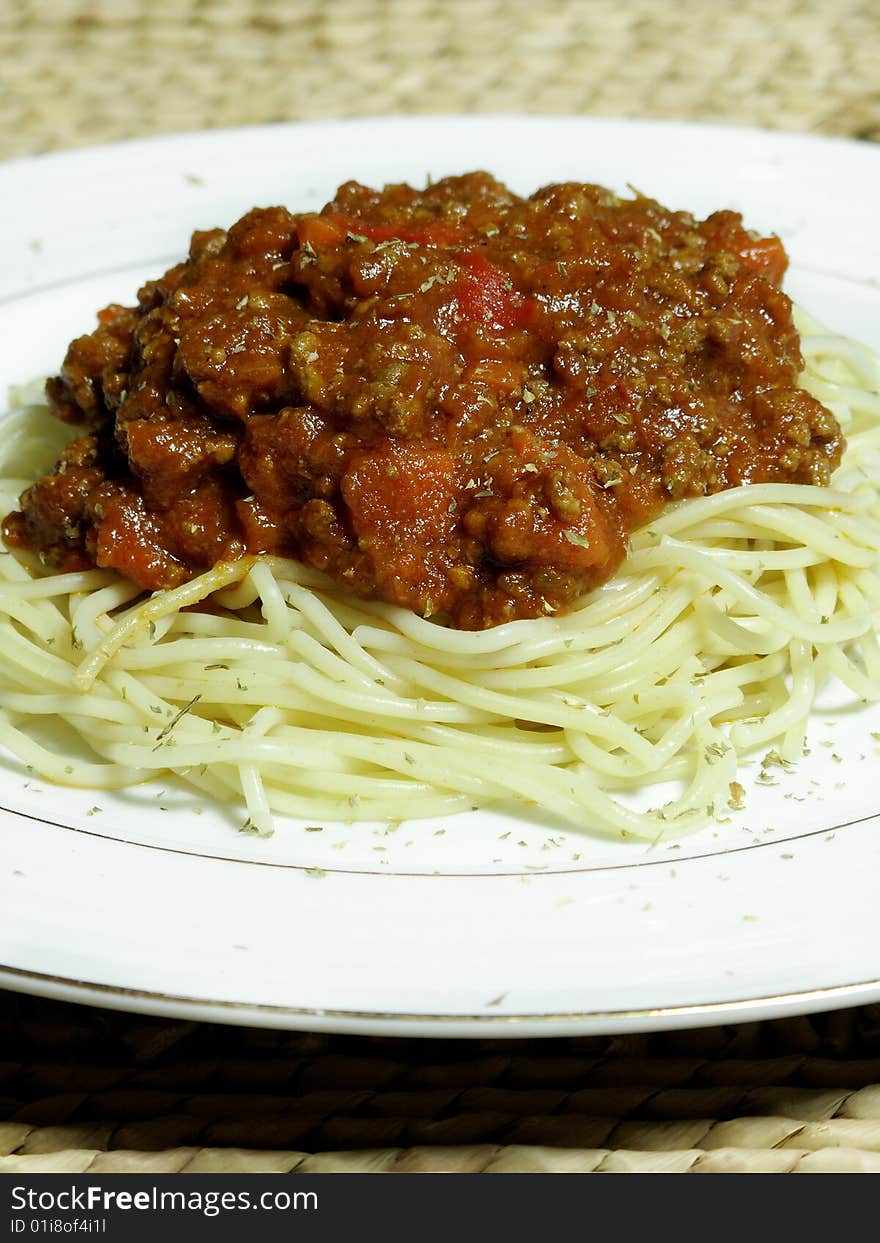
{"x":399,"y":501}
{"x":127,"y":539}
{"x":110,"y":314}
{"x":576,"y":543}
{"x":765,"y":255}
{"x":334,"y":227}
{"x":486,"y":295}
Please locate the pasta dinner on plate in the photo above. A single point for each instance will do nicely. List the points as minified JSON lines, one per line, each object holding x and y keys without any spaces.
{"x":440,"y":499}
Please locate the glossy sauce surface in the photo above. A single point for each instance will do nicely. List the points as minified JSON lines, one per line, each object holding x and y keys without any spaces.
{"x":453,"y":399}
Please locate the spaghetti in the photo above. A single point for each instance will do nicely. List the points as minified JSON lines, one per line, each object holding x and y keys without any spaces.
{"x":264,"y":681}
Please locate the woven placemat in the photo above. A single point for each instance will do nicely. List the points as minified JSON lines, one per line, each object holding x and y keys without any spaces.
{"x":87,"y":1090}
{"x":91,"y":1090}
{"x":86,"y":71}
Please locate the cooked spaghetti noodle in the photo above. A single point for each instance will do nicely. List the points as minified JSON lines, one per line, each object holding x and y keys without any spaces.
{"x":284,"y":692}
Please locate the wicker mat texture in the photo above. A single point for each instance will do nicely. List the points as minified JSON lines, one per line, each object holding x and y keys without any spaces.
{"x":86,"y":1090}
{"x":75,"y":72}
{"x":90,"y":1090}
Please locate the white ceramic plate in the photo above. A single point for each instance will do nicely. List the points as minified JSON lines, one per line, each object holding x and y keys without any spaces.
{"x":440,"y":928}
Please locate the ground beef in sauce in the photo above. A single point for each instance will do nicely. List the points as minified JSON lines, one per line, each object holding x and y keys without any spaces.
{"x":454,"y":399}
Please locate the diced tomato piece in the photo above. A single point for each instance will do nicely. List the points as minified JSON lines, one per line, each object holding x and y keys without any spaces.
{"x":327,"y":230}
{"x":110,"y":314}
{"x":399,"y":501}
{"x":128,"y":541}
{"x":262,"y":528}
{"x":320,"y":232}
{"x":584,"y":541}
{"x":765,"y":255}
{"x":486,"y":295}
{"x":723,"y":230}
{"x":399,"y":493}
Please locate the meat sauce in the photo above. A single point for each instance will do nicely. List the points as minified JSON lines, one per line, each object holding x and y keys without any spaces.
{"x":454,"y":399}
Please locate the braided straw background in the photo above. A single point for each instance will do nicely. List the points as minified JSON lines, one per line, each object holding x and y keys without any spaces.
{"x":90,"y":1090}
{"x":86,"y":1090}
{"x":76,"y":72}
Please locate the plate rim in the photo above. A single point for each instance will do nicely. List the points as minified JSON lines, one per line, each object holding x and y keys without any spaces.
{"x":413,"y":120}
{"x":400,"y":1022}
{"x":394,"y":1023}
